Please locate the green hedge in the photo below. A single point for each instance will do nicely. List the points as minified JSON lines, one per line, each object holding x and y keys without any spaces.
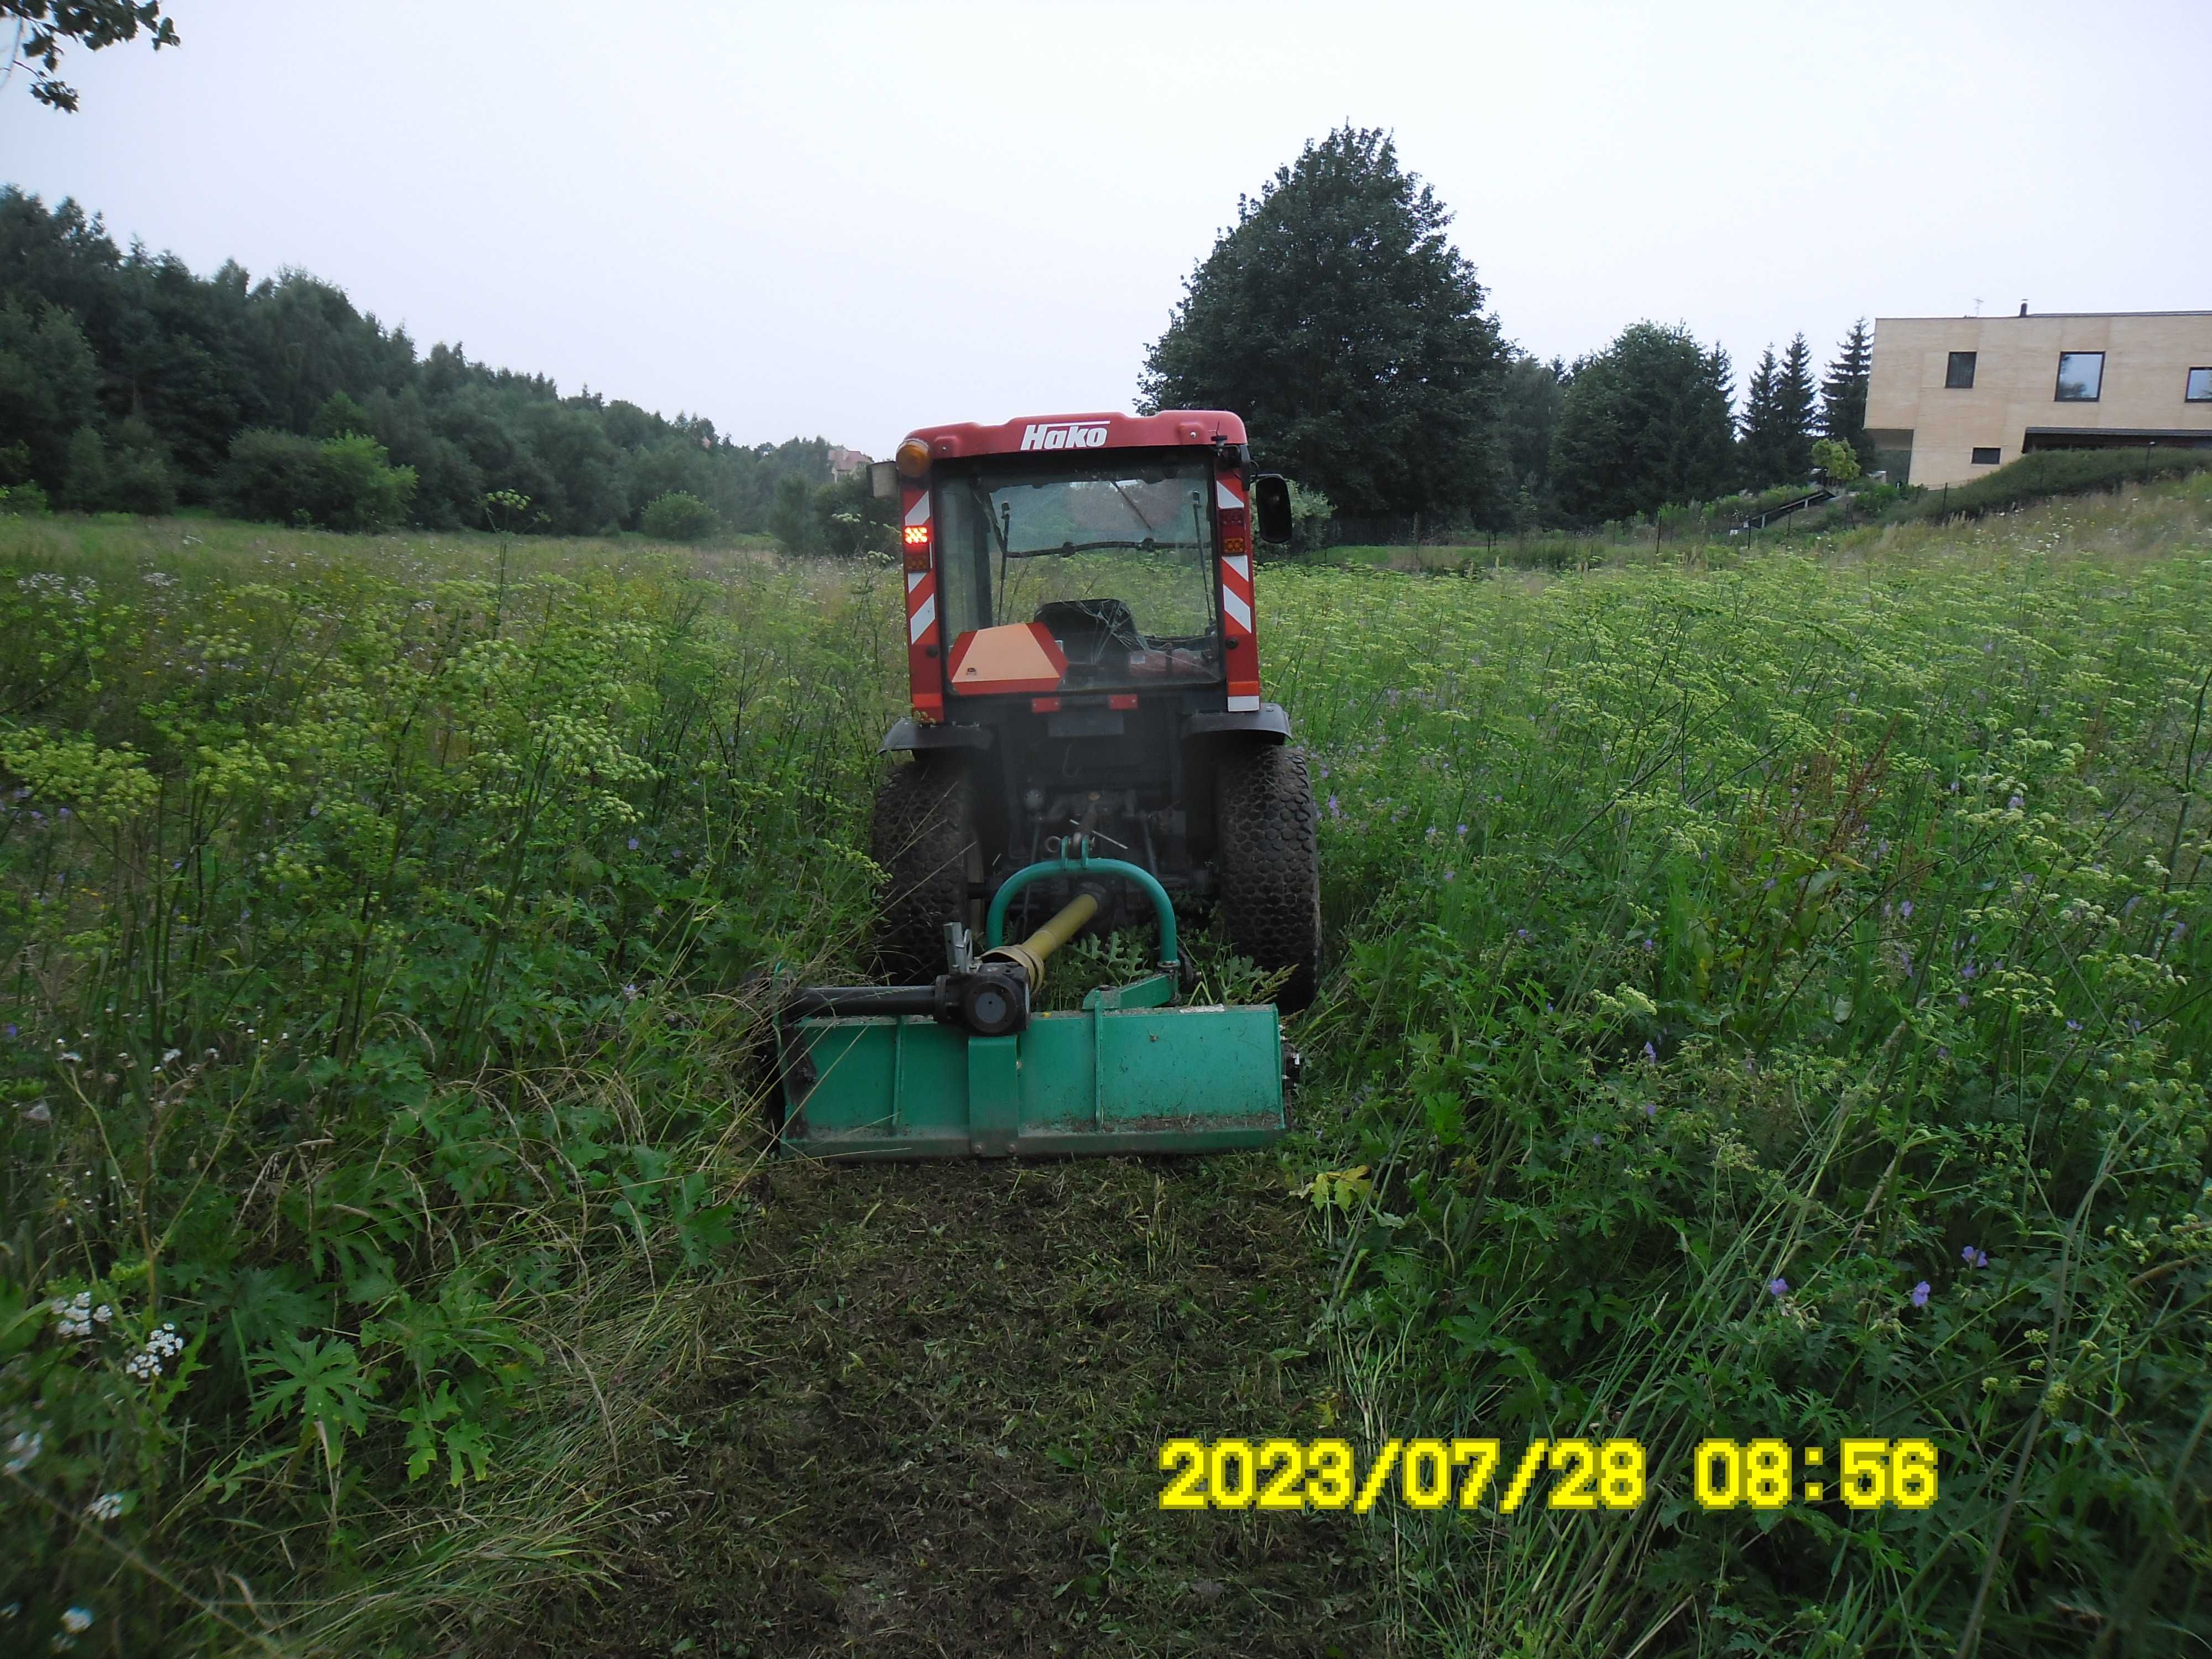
{"x":2059,"y":472}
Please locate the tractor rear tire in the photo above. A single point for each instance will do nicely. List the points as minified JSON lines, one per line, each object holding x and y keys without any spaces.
{"x":1267,"y":845}
{"x":924,"y":836}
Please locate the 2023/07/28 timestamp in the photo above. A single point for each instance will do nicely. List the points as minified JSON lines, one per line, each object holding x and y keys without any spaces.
{"x":1574,"y":1474}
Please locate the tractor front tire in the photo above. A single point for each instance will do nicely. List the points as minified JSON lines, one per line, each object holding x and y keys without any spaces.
{"x":1268,"y":837}
{"x":923,"y":836}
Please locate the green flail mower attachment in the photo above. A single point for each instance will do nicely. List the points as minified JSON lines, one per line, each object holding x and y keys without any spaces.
{"x":962,"y":1068}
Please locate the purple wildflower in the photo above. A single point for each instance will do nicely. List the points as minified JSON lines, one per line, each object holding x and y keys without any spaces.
{"x":1777,"y":1287}
{"x":2017,"y":802}
{"x":633,"y":844}
{"x":1449,"y":874}
{"x":1651,"y":1109}
{"x":1650,"y":1054}
{"x":1973,"y":1257}
{"x":1462,"y":829}
{"x":1920,"y":1294}
{"x":1905,"y":910}
{"x":2073,"y":1025}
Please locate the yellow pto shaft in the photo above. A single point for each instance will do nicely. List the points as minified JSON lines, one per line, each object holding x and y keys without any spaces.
{"x":1032,"y":952}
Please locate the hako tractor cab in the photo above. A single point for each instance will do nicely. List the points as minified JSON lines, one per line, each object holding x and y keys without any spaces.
{"x":1087,"y":745}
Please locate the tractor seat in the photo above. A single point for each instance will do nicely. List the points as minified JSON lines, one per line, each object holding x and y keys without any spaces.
{"x":1088,"y":628}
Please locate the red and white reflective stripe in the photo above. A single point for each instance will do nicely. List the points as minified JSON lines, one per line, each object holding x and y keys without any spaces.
{"x":924,"y":662}
{"x":920,"y":605}
{"x":1239,"y":645}
{"x":1236,"y":593}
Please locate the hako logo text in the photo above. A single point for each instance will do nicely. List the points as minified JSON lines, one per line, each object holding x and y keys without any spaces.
{"x":1063,"y":435}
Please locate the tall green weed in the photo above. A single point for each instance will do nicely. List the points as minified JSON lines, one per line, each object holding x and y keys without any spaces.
{"x":1772,"y":1003}
{"x":377,"y":921}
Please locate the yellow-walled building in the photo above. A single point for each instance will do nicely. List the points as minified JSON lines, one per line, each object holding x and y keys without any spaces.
{"x":1950,"y":397}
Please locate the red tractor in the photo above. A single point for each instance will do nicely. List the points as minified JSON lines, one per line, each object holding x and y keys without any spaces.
{"x":1085,"y":675}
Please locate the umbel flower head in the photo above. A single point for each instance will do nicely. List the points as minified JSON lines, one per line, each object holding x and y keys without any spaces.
{"x":163,"y":1346}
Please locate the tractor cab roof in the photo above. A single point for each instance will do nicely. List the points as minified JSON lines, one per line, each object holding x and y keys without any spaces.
{"x":1032,"y":433}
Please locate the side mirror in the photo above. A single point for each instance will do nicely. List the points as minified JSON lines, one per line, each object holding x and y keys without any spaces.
{"x":1271,"y":506}
{"x":882,"y":480}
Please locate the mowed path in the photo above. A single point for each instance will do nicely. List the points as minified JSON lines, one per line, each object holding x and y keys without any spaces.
{"x":931,"y":1424}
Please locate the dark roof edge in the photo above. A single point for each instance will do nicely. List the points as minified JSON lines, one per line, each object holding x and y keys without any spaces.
{"x":2008,"y":317}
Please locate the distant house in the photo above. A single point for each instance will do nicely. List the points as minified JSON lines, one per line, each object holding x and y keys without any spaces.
{"x":844,"y":463}
{"x":1949,"y":397}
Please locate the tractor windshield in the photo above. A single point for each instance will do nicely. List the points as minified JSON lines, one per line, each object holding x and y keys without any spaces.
{"x":1115,"y":555}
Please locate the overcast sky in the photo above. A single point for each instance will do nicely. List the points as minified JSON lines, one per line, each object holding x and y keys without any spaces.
{"x":849,"y":220}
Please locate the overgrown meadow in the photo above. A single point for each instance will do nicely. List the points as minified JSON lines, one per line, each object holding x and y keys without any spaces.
{"x":1767,"y":999}
{"x":1773,"y":1004}
{"x":378,"y":917}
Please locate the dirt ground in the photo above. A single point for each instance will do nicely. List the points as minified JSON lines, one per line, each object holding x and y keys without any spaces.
{"x":931,"y":1423}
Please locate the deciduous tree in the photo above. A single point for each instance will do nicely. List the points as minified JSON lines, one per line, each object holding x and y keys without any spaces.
{"x":1338,"y":318}
{"x":41,"y":27}
{"x":1643,"y":422}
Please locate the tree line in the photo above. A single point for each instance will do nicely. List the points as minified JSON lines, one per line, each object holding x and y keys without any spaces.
{"x":1338,"y":318}
{"x":129,"y":383}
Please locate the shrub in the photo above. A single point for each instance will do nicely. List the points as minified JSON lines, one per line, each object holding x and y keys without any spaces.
{"x":791,"y":519}
{"x":680,"y":516}
{"x":139,"y":476}
{"x":1311,"y":513}
{"x":131,"y":476}
{"x":24,"y":501}
{"x":1838,"y":461}
{"x":84,"y":476}
{"x":341,"y":483}
{"x":848,"y":520}
{"x":363,"y":489}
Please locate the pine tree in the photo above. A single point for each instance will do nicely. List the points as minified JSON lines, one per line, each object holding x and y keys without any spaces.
{"x":1757,"y":454}
{"x":1777,"y":418}
{"x":1795,"y":395}
{"x":1844,"y":391}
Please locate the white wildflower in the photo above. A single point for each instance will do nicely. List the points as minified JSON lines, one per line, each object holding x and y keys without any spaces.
{"x":77,"y":1621}
{"x":162,"y":1345}
{"x":106,"y":1507}
{"x":23,"y":1450}
{"x":74,"y":1316}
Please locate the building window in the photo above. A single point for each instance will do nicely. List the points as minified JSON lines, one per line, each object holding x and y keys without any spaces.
{"x":1988,"y":457}
{"x":2081,"y":376}
{"x":1960,"y":376}
{"x":2200,"y":386}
